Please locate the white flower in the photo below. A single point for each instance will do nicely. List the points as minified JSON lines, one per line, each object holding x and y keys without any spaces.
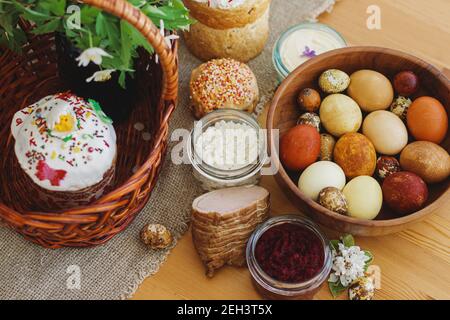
{"x":101,"y":76}
{"x":92,"y":54}
{"x":348,"y":264}
{"x":168,"y":39}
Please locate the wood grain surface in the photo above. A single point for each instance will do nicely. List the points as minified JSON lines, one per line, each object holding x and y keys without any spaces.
{"x":414,"y":264}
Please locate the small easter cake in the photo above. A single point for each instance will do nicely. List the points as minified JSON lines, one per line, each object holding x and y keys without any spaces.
{"x":223,"y":84}
{"x":236,"y":29}
{"x":66,"y":148}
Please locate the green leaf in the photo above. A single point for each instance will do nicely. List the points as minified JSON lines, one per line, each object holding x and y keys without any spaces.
{"x":98,"y":28}
{"x":6,"y":22}
{"x":106,"y":28}
{"x":20,"y":39}
{"x":57,"y":7}
{"x":336,"y":288}
{"x":98,"y":110}
{"x":125,"y":50}
{"x":178,"y":4}
{"x":334,"y":245}
{"x":70,"y":33}
{"x":11,"y":36}
{"x":101,"y":26}
{"x":122,"y":78}
{"x":140,"y":41}
{"x":154,"y":12}
{"x":49,"y":27}
{"x":348,"y":240}
{"x":32,"y":15}
{"x":89,"y":14}
{"x":137,"y":3}
{"x":368,"y":262}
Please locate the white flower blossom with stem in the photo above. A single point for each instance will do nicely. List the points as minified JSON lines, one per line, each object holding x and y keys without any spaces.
{"x":168,"y":39}
{"x":92,"y":54}
{"x":101,"y":76}
{"x":348,"y":264}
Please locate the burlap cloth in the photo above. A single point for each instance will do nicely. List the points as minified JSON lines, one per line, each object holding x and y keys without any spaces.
{"x":115,"y":270}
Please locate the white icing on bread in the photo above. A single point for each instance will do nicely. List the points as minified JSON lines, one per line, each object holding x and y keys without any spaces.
{"x":64,"y":143}
{"x":222,"y":4}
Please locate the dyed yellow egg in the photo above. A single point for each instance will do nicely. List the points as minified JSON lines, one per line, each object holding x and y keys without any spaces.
{"x":340,"y":114}
{"x":364,"y":198}
{"x":371,"y":90}
{"x":356,"y":155}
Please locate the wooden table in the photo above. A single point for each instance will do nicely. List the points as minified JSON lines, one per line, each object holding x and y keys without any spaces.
{"x":415,"y":264}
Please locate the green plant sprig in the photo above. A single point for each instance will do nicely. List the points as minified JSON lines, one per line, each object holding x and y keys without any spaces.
{"x":337,"y":288}
{"x":97,"y":28}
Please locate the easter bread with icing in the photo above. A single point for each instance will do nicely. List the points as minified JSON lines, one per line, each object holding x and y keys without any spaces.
{"x":239,"y":32}
{"x":66,"y":149}
{"x":245,"y":12}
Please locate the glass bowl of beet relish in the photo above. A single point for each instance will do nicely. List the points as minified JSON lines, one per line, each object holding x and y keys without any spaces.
{"x":288,"y":258}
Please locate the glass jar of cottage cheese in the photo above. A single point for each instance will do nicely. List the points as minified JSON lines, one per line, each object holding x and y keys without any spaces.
{"x":303,"y":42}
{"x":227,"y":148}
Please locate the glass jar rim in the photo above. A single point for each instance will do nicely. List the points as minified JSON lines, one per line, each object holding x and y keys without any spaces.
{"x":276,"y":56}
{"x":233,"y":175}
{"x":279,"y":287}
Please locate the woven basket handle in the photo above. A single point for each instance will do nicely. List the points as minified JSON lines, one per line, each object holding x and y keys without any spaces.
{"x":124,"y":10}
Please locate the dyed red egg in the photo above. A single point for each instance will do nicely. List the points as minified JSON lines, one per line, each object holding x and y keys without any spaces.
{"x":406,"y":83}
{"x":300,"y":147}
{"x":405,"y":192}
{"x":427,"y":120}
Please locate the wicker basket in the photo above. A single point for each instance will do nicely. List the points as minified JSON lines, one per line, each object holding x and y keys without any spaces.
{"x":33,"y":75}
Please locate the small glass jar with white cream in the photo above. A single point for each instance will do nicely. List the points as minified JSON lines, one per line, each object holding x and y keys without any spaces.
{"x":301,"y":43}
{"x":227,"y":148}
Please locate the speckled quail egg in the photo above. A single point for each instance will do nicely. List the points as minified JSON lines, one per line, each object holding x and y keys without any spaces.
{"x":387,"y":166}
{"x":362,"y":289}
{"x":333,"y":199}
{"x":327,"y":143}
{"x":311,"y":119}
{"x":156,"y":236}
{"x":400,"y":107}
{"x":309,"y":100}
{"x":334,"y":81}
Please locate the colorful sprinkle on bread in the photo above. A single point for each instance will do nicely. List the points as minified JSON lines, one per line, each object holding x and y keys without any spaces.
{"x":63,"y":142}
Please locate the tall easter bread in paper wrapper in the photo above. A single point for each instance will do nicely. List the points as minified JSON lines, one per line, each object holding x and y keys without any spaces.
{"x":66,"y":148}
{"x":236,"y":29}
{"x":125,"y":177}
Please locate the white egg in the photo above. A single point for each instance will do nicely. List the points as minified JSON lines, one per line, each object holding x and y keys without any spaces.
{"x":386,"y":131}
{"x":319,"y":176}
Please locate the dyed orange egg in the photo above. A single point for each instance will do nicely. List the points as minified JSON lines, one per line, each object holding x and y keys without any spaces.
{"x":356,"y":155}
{"x":428,"y":120}
{"x":300,"y":147}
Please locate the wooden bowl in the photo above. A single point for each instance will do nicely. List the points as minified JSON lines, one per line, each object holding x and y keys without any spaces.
{"x":284,"y":113}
